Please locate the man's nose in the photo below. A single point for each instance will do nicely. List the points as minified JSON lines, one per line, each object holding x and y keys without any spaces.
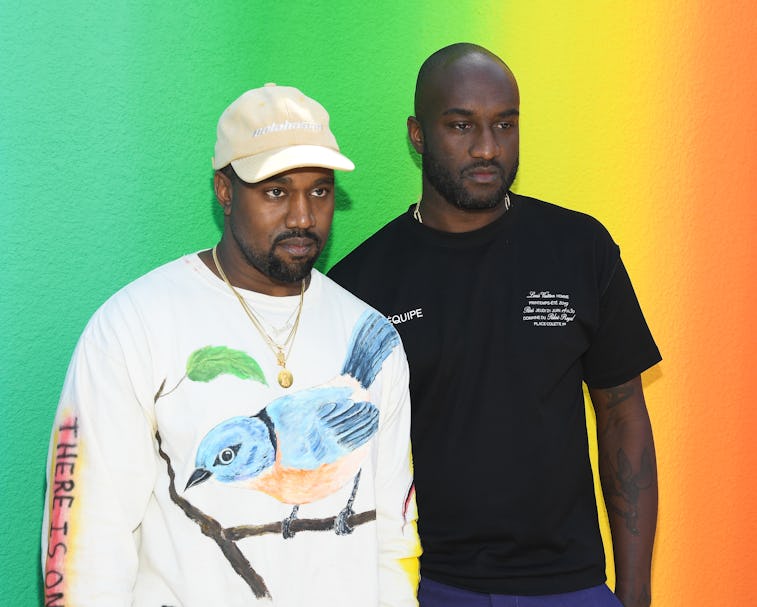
{"x":300,"y":213}
{"x":485,"y":145}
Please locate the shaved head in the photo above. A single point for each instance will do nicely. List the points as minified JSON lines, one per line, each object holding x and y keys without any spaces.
{"x":435,"y":68}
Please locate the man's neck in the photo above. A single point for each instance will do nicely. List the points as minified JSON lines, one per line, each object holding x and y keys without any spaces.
{"x":251,"y":280}
{"x":439,"y":214}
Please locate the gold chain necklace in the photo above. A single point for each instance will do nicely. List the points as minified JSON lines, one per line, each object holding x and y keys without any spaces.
{"x":419,"y":219}
{"x":285,"y":376}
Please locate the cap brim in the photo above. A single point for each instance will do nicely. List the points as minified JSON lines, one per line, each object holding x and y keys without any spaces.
{"x":262,"y":166}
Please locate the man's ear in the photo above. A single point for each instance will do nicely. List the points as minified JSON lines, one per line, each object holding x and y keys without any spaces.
{"x":415,"y":132}
{"x":223,"y":189}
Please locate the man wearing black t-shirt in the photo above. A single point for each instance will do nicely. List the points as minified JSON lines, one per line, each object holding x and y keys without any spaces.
{"x":506,"y":305}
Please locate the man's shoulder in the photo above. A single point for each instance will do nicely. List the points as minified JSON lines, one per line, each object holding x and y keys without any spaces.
{"x":163,"y":278}
{"x":336,"y":294}
{"x":561,"y":222}
{"x":386,"y":234}
{"x":372,"y":249}
{"x":150,"y":293}
{"x":550,"y":211}
{"x":351,"y":305}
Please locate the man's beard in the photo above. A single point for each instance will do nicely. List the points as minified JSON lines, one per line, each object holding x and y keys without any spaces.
{"x":273,"y":266}
{"x":453,"y":190}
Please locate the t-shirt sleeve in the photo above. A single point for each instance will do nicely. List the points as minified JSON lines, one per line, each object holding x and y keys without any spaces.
{"x":622,"y":346}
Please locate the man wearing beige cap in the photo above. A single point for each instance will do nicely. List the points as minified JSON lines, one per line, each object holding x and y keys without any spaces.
{"x":234,"y":426}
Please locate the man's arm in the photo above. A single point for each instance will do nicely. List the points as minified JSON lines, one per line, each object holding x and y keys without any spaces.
{"x":399,"y":546}
{"x":100,"y":474}
{"x":628,"y":472}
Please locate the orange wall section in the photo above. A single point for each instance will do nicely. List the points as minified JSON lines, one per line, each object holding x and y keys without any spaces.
{"x":709,"y":495}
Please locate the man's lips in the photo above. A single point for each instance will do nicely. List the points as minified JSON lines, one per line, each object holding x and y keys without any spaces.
{"x":483,"y":175}
{"x":298,"y":246}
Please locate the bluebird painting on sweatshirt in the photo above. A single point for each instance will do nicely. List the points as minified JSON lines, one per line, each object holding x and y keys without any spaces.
{"x":304,"y":446}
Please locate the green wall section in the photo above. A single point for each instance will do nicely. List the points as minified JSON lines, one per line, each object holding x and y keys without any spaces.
{"x":108,"y":114}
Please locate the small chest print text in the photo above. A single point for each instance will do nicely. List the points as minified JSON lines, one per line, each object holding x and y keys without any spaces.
{"x":546,"y":309}
{"x":397,"y":319}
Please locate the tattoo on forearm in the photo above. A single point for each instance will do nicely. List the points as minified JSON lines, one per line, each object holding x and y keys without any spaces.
{"x":622,"y":486}
{"x":618,"y":394}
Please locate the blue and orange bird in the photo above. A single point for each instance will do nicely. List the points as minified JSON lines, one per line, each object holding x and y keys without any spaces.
{"x":304,"y":446}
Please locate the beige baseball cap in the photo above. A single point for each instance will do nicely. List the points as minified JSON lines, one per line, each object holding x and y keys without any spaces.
{"x":273,"y":129}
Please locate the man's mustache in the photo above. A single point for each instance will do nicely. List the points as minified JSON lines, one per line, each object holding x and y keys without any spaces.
{"x":484,"y":164}
{"x":297,"y":234}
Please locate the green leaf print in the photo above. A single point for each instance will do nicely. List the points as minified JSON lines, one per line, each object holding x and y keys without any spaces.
{"x":211,"y":361}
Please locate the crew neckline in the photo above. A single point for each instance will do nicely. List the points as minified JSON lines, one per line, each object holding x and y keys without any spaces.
{"x":284,"y":301}
{"x":463,"y":239}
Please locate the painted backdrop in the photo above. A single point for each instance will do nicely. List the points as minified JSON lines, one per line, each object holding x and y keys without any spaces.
{"x":640,"y":113}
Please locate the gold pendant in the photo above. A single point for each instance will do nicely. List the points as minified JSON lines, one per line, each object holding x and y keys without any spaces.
{"x":285,"y":378}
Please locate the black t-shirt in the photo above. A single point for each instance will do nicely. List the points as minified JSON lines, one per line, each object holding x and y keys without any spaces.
{"x":501,"y":326}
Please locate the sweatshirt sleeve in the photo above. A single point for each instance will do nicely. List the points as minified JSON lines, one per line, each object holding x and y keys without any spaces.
{"x":396,"y":515}
{"x":101,"y":468}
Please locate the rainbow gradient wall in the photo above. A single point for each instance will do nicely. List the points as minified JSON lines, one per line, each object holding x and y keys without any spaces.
{"x":640,"y":113}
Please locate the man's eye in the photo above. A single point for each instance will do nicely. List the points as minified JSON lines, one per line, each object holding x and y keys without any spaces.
{"x":504,"y":125}
{"x":461,"y":126}
{"x":320,"y":192}
{"x":275,"y":192}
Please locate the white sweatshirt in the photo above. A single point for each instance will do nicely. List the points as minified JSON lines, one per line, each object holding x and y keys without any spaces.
{"x":169,"y":380}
